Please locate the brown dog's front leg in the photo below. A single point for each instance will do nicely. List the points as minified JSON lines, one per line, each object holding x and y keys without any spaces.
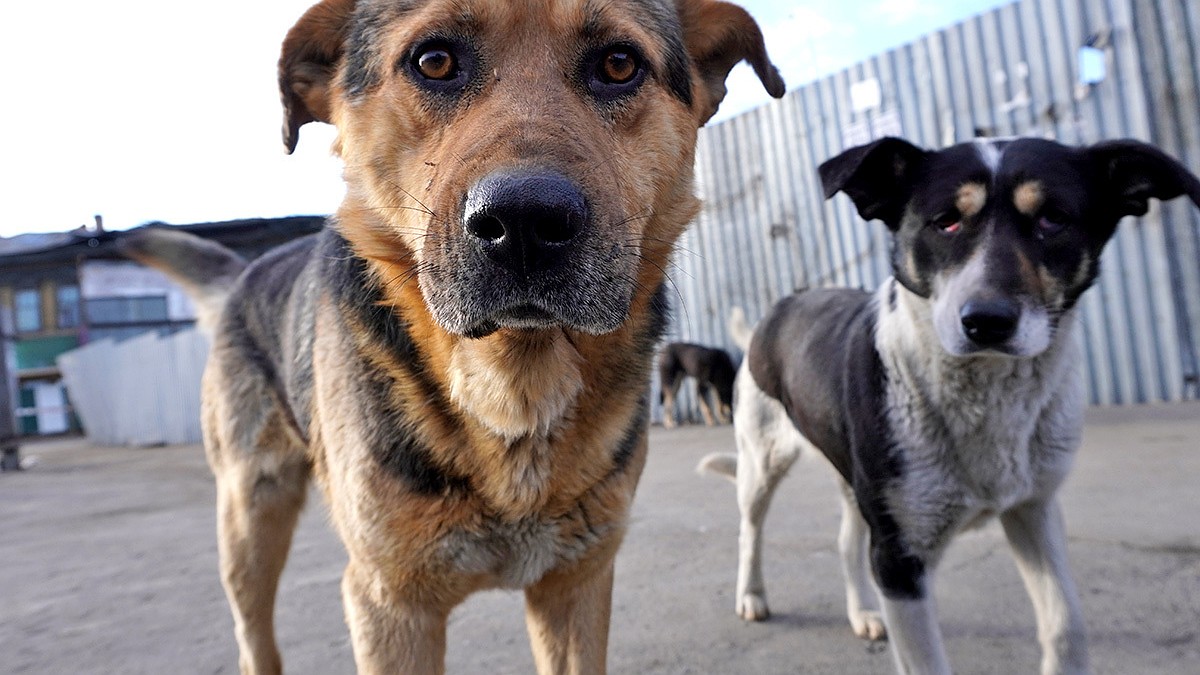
{"x":567,"y":615}
{"x":392,"y":635}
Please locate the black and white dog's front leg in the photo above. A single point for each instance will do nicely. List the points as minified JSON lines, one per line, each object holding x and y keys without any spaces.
{"x":909,"y":611}
{"x":862,"y":598}
{"x":1039,"y":543}
{"x":915,"y":636}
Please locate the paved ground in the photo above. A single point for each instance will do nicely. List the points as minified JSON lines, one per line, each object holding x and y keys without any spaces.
{"x":109,"y":566}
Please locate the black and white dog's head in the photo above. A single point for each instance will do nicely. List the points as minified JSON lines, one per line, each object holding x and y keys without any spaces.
{"x":1002,"y":236}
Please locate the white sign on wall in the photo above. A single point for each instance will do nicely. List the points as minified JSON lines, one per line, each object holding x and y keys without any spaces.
{"x":113,"y":279}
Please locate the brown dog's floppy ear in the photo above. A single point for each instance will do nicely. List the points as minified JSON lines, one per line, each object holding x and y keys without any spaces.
{"x":878,"y":177}
{"x":718,"y":35}
{"x":1133,"y":172}
{"x":308,"y":64}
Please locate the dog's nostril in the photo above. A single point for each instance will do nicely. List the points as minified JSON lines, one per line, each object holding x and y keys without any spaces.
{"x":486,"y":227}
{"x":990,"y":322}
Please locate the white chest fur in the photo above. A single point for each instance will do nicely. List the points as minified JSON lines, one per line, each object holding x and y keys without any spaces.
{"x":976,"y":434}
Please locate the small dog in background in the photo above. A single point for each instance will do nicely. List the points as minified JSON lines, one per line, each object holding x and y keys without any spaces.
{"x":713,"y":371}
{"x":953,"y":393}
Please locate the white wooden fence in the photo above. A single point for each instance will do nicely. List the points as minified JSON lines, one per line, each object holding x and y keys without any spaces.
{"x":142,"y":391}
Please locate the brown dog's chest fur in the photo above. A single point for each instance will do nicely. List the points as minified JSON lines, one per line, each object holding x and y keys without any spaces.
{"x":543,"y":434}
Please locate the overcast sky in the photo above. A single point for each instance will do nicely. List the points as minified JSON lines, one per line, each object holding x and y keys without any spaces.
{"x":145,"y":110}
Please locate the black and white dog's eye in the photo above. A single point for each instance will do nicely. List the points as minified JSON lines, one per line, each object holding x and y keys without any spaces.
{"x":947,"y":223}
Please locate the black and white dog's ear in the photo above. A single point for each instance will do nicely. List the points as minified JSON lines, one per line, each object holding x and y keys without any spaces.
{"x":878,"y":177}
{"x":1133,"y":172}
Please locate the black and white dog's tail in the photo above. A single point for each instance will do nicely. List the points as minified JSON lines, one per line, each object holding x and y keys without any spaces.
{"x":739,"y":329}
{"x":205,"y":269}
{"x":719,"y":464}
{"x":725,"y":463}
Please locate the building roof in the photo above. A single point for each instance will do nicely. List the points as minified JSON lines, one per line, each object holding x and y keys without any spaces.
{"x":33,"y":243}
{"x":249,"y":236}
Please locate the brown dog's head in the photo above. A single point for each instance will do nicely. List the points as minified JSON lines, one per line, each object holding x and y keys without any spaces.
{"x":529,"y":162}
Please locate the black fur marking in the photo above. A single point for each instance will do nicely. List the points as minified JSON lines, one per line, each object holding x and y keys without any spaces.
{"x":390,"y":432}
{"x":649,"y":335}
{"x":877,"y":461}
{"x":633,"y":435}
{"x":677,"y":75}
{"x":659,"y":317}
{"x":402,"y":455}
{"x":360,"y":296}
{"x":900,"y":576}
{"x":362,"y":50}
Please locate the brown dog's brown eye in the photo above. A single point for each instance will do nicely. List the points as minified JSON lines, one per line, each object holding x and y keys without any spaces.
{"x":436,"y":64}
{"x":615,"y":72}
{"x":618,"y":67}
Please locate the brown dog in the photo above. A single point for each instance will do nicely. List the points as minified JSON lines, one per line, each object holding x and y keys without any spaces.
{"x":461,"y":359}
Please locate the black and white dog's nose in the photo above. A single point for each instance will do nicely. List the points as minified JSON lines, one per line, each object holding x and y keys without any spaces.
{"x":989,"y":323}
{"x":524,"y":220}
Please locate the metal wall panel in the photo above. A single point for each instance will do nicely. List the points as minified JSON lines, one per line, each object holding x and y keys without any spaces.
{"x":765,"y":230}
{"x":143,"y":391}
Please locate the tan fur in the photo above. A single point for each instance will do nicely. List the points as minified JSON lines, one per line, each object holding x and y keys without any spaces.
{"x":970,"y":199}
{"x":1029,"y":197}
{"x":491,"y":380}
{"x":530,"y":417}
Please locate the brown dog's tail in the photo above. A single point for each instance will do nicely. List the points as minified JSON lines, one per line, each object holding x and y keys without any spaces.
{"x":739,"y":330}
{"x":205,"y":269}
{"x":719,"y":463}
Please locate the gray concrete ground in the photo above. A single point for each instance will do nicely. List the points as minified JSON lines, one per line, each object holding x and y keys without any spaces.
{"x":108,"y":565}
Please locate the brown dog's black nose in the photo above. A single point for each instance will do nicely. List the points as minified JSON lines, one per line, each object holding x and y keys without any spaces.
{"x":988,"y":323}
{"x":524,"y":220}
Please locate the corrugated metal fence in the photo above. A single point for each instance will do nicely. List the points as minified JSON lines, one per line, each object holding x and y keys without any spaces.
{"x":765,"y":230}
{"x":143,"y":391}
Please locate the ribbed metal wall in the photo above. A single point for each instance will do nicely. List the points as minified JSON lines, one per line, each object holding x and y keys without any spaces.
{"x":765,"y":230}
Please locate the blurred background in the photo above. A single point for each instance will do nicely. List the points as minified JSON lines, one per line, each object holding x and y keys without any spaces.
{"x":142,"y":112}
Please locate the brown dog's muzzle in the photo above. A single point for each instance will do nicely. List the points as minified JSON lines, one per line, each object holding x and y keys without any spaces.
{"x":529,"y":249}
{"x":525,"y":221}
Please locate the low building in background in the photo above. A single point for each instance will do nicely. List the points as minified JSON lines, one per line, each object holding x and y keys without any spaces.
{"x":63,"y":290}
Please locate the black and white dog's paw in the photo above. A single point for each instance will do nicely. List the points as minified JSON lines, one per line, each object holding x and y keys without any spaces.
{"x":868,"y":624}
{"x":752,"y":607}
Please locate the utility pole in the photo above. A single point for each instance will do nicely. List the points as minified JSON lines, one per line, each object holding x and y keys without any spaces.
{"x":10,"y":457}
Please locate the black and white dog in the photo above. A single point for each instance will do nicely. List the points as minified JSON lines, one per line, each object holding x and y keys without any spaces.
{"x":953,"y":393}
